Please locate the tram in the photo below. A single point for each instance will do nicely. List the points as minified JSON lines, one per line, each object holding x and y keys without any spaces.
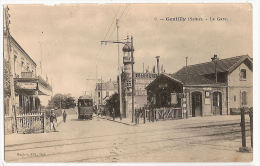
{"x":85,"y":107}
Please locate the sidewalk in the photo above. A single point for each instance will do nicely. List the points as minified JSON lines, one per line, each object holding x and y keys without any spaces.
{"x":126,"y":121}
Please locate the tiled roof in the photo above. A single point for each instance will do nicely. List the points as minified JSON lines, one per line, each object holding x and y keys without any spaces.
{"x":193,"y":79}
{"x":223,"y":65}
{"x":197,"y":74}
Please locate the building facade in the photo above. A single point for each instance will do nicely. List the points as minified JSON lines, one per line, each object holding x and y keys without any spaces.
{"x":219,"y":87}
{"x":104,"y":90}
{"x":27,"y":84}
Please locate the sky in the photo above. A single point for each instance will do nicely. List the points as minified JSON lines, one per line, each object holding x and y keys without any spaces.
{"x":66,"y":38}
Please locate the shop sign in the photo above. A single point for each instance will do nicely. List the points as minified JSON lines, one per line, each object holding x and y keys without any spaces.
{"x":27,"y":85}
{"x":207,"y":89}
{"x":165,"y":85}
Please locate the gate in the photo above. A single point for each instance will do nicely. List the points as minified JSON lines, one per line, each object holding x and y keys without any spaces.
{"x":30,"y":123}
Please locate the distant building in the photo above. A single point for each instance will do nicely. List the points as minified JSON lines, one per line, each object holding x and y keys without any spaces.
{"x":104,"y":90}
{"x":28,"y":85}
{"x":218,"y":87}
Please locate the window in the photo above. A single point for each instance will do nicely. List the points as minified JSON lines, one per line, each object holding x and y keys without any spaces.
{"x":244,"y":98}
{"x":243,"y":74}
{"x":98,"y":94}
{"x":235,"y":98}
{"x":107,"y":93}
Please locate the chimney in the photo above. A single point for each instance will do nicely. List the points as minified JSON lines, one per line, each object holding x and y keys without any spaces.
{"x":215,"y":57}
{"x":158,"y":65}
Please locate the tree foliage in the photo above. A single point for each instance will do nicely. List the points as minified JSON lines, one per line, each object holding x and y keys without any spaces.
{"x":63,"y":101}
{"x":113,"y":103}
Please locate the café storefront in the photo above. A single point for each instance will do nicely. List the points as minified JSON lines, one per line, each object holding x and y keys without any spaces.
{"x":28,"y":91}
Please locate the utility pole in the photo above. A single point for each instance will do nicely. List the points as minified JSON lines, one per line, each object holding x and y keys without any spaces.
{"x":119,"y":72}
{"x":11,"y":63}
{"x":133,"y":87}
{"x":101,"y":92}
{"x":132,"y":61}
{"x":186,"y":67}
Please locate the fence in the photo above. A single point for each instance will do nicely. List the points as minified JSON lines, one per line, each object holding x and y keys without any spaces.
{"x":157,"y":114}
{"x":30,"y":123}
{"x":26,"y":123}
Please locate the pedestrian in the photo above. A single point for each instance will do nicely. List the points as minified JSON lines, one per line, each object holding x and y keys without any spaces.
{"x":53,"y":119}
{"x":64,"y":116}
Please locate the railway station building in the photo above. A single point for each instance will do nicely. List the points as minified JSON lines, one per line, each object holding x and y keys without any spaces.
{"x":217,"y":87}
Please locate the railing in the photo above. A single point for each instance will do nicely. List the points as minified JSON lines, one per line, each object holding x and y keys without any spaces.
{"x":27,"y":74}
{"x":30,"y":123}
{"x":157,"y":114}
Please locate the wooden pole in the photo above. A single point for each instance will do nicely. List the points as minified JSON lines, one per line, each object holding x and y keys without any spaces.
{"x":251,"y":126}
{"x":242,"y":124}
{"x":144,"y":113}
{"x":132,"y":65}
{"x":119,"y":72}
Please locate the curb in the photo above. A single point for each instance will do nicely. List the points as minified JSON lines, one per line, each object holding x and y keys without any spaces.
{"x":129,"y":124}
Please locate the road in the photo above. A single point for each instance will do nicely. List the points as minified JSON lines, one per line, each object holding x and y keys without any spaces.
{"x":202,"y":139}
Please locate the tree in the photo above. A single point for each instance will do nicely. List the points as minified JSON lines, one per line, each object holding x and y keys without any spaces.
{"x":113,"y":103}
{"x":62,"y":101}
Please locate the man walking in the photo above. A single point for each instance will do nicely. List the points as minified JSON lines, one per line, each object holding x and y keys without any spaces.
{"x":52,"y":118}
{"x":64,"y":116}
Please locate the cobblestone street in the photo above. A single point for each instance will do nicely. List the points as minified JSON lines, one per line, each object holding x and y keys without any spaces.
{"x":202,"y":139}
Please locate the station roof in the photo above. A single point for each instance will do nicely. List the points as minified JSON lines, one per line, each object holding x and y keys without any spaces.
{"x":223,"y":65}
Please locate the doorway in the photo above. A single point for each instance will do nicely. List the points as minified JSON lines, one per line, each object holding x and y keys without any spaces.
{"x":196,"y":104}
{"x":217,"y":103}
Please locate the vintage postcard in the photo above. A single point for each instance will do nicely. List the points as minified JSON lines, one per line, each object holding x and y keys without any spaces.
{"x":128,"y":83}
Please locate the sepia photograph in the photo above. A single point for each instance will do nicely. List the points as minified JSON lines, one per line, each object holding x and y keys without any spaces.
{"x":128,"y":83}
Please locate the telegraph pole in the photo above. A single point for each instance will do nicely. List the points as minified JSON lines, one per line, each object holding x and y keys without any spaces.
{"x":11,"y":63}
{"x":101,"y":92}
{"x":132,"y":61}
{"x":133,"y":87}
{"x":119,"y":72}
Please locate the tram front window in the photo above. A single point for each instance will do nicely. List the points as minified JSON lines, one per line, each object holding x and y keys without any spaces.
{"x":85,"y":103}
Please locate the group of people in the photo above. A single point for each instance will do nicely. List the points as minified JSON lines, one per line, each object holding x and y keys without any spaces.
{"x":53,"y":119}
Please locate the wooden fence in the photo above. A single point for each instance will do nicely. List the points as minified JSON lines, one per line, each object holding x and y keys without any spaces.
{"x":153,"y":115}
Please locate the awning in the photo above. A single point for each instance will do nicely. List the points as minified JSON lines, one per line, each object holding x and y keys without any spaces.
{"x":32,"y":86}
